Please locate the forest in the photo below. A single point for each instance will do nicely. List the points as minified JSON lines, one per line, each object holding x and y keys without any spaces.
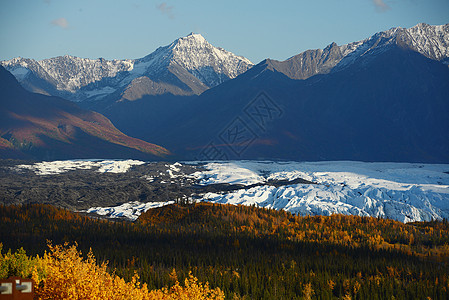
{"x":245,"y":252}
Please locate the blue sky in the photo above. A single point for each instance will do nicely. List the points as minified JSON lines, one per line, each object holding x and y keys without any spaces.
{"x":115,"y":29}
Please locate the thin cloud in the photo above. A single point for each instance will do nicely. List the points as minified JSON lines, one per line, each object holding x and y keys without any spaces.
{"x":381,"y":5}
{"x":166,"y":10}
{"x":60,"y":22}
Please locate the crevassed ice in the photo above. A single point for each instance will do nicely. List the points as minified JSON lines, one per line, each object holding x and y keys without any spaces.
{"x":401,"y":191}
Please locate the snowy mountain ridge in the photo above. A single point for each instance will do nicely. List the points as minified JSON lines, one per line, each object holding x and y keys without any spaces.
{"x":79,"y":78}
{"x":190,"y":65}
{"x":68,"y":73}
{"x":431,"y":41}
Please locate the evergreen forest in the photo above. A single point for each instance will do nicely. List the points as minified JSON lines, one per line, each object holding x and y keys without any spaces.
{"x":246,"y":252}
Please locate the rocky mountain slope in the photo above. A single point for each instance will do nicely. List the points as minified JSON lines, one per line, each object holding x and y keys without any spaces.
{"x":188,"y":66}
{"x":43,"y":127}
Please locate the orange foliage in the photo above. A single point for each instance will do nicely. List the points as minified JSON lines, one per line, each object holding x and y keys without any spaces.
{"x":424,"y":239}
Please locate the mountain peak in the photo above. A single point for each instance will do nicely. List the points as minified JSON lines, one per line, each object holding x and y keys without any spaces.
{"x":421,"y":25}
{"x":195,"y":36}
{"x":431,"y":41}
{"x":190,"y":42}
{"x":191,"y":61}
{"x":211,"y":65}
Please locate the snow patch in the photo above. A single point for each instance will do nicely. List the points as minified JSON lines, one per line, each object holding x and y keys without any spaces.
{"x":228,"y":172}
{"x":20,"y":72}
{"x":130,"y":210}
{"x":99,"y":92}
{"x":62,"y":166}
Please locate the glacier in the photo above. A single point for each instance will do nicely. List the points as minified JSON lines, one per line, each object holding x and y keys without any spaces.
{"x":406,"y":192}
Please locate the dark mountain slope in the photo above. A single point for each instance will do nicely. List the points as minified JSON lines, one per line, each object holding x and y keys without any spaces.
{"x":42,"y":127}
{"x":393,"y":106}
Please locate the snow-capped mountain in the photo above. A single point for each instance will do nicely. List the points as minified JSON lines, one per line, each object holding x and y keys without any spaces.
{"x":189,"y":65}
{"x":67,"y":73}
{"x":428,"y":40}
{"x":380,"y":100}
{"x":211,"y":65}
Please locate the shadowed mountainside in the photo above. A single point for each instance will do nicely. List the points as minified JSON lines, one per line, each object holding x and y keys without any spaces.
{"x":43,"y":127}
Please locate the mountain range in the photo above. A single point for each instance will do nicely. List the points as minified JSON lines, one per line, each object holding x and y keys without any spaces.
{"x":430,"y":41}
{"x":188,"y":66}
{"x":384,"y":98}
{"x":384,"y":101}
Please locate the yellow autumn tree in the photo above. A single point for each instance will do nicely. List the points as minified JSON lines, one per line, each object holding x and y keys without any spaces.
{"x":192,"y":290}
{"x":62,"y":273}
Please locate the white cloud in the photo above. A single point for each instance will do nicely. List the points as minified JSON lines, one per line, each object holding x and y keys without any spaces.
{"x":60,"y":22}
{"x":381,"y":5}
{"x":166,"y":10}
